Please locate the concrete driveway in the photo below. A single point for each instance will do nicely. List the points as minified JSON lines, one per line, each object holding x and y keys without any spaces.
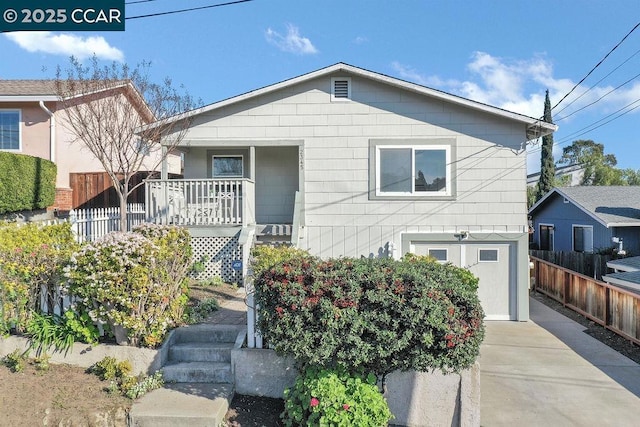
{"x":548,"y":372}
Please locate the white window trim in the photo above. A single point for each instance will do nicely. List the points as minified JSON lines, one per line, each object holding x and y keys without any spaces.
{"x":413,"y":193}
{"x":333,"y":87}
{"x":446,"y":251}
{"x":573,"y":243}
{"x":553,"y":235}
{"x":226,"y":156}
{"x":497,"y":251}
{"x":19,"y":149}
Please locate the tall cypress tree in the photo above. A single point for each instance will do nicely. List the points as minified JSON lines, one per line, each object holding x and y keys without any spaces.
{"x":547,"y":165}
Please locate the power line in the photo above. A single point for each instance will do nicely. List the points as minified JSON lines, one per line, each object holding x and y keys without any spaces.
{"x":171,"y":12}
{"x":599,"y":99}
{"x":598,"y":82}
{"x":597,"y":65}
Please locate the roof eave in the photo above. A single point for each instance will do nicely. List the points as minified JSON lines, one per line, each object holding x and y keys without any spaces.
{"x":27,"y":98}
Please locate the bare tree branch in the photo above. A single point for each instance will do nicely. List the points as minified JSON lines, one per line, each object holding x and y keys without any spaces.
{"x":108,"y":110}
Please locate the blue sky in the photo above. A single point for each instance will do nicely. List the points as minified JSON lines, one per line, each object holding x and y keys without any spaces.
{"x":503,"y":52}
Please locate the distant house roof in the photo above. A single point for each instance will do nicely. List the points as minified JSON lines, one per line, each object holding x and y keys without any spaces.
{"x":628,"y":280}
{"x":625,"y":264}
{"x":612,"y":206}
{"x":27,"y":90}
{"x":575,"y":171}
{"x":535,"y":127}
{"x":45,"y":90}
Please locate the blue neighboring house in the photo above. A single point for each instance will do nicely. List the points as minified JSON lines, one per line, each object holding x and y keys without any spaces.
{"x":588,"y":219}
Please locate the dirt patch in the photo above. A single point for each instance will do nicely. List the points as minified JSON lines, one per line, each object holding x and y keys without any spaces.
{"x":66,"y":392}
{"x":251,"y":411}
{"x":63,"y":392}
{"x":222,"y":292}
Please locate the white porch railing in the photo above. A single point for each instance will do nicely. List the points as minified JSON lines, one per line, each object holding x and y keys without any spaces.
{"x":200,"y":201}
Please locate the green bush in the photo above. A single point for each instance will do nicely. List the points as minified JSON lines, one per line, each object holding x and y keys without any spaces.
{"x":264,"y":257}
{"x":31,"y":262}
{"x":26,"y":182}
{"x":15,"y":361}
{"x":323,"y":397}
{"x":110,"y":369}
{"x":371,"y":315}
{"x":129,"y":280}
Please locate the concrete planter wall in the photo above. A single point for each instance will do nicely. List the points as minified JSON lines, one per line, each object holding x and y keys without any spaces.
{"x":84,"y":355}
{"x":415,"y":398}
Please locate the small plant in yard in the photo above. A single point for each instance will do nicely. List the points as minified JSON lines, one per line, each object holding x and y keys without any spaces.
{"x":60,"y":332}
{"x":42,"y":363}
{"x":121,"y":380}
{"x":200,"y":311}
{"x":322,"y":397}
{"x":15,"y":361}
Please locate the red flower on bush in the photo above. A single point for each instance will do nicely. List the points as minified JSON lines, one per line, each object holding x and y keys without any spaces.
{"x":314,"y":402}
{"x":345,"y":407}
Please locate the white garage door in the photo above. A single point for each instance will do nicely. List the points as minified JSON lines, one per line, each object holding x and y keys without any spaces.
{"x":492,"y":262}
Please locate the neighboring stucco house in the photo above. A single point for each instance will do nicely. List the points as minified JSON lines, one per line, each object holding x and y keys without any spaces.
{"x":588,"y":219}
{"x":33,"y":123}
{"x":343,"y":161}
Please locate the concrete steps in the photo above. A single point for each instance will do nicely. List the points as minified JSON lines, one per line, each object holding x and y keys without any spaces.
{"x":198,"y":379}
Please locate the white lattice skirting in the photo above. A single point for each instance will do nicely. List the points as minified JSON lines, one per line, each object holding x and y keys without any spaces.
{"x":221,"y":252}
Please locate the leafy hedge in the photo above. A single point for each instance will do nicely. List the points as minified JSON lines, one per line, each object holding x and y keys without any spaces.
{"x":31,"y":262}
{"x":371,"y":315}
{"x":26,"y":182}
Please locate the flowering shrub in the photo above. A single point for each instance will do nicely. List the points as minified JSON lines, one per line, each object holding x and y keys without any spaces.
{"x":31,"y":260}
{"x":371,"y":315}
{"x":129,"y":280}
{"x":335,"y":398}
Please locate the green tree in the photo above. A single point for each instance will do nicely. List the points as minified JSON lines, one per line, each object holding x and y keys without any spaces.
{"x":547,"y":166}
{"x":598,"y":168}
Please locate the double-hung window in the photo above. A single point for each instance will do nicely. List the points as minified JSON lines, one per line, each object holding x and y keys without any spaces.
{"x":416,"y":170}
{"x":10,"y":130}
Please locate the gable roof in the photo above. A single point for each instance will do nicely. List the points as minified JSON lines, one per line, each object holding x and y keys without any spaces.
{"x":535,"y":127}
{"x":45,"y":90}
{"x":612,"y":206}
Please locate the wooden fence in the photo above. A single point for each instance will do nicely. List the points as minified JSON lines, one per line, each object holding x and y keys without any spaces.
{"x":614,"y":308}
{"x":587,"y":264}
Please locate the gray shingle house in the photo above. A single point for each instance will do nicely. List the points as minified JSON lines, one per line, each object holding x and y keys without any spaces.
{"x":344,"y":161}
{"x":588,"y":219}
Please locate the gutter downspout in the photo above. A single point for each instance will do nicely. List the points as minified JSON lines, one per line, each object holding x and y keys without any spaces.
{"x":52,"y":131}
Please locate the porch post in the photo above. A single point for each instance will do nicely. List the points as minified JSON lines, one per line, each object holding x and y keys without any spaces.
{"x":164,"y":173}
{"x":252,"y":162}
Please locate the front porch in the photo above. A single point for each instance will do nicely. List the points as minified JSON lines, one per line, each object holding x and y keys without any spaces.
{"x":197,"y":202}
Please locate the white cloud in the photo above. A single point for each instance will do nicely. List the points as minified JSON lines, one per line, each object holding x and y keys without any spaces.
{"x":66,"y":44}
{"x":360,"y":40}
{"x":292,"y":42}
{"x":519,"y":85}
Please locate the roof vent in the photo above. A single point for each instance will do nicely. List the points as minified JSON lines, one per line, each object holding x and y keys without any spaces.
{"x":340,"y":88}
